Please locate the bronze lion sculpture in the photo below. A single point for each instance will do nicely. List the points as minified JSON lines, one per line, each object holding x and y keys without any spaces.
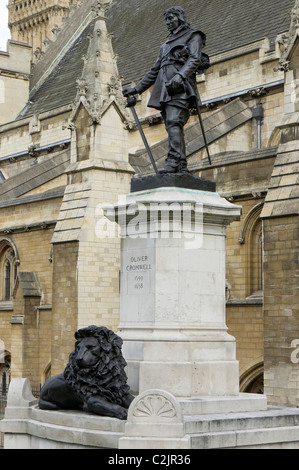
{"x":94,"y":379}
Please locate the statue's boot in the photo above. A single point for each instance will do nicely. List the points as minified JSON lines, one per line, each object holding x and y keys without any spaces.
{"x":183,"y":166}
{"x":175,"y":118}
{"x":172,"y":165}
{"x":176,"y":158}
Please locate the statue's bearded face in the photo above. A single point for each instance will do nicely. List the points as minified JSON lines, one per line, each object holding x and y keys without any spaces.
{"x":172,"y":22}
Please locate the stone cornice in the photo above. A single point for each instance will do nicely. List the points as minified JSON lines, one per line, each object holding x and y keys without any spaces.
{"x":28,"y":228}
{"x":16,"y":75}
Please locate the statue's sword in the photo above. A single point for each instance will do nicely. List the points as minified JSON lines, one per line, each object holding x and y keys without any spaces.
{"x":201,"y":125}
{"x":131,"y":102}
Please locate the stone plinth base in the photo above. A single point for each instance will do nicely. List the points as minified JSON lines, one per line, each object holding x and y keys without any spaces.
{"x":25,"y":426}
{"x":187,"y":365}
{"x":61,"y":430}
{"x":156,"y":420}
{"x":177,"y":180}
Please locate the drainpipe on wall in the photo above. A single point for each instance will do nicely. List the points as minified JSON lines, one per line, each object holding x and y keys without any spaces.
{"x":258,"y":114}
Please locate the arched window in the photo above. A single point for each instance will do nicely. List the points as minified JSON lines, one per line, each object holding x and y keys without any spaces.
{"x":9,"y":274}
{"x":7,"y":280}
{"x":256,"y":271}
{"x":251,"y":237}
{"x":9,"y":262}
{"x":252,"y":381}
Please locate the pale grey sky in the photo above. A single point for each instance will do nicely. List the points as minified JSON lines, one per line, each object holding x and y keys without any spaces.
{"x":4,"y":31}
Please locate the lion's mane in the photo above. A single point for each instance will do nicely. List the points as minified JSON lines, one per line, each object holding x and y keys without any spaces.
{"x":107,"y":378}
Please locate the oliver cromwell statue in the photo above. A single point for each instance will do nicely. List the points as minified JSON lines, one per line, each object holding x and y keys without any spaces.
{"x":174,"y":79}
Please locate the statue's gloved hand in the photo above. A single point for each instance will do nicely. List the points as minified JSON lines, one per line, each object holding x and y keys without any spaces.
{"x":177,"y":79}
{"x":176,"y":85}
{"x":129,"y":91}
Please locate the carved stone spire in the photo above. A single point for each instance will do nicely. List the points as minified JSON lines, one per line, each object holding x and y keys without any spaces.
{"x":100,"y":83}
{"x":99,"y":88}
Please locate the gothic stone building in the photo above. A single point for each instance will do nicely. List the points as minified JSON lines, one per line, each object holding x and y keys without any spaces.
{"x":68,"y":145}
{"x":34,"y":21}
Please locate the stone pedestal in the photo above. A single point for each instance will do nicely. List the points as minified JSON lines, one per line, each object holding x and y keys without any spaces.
{"x":172,"y":317}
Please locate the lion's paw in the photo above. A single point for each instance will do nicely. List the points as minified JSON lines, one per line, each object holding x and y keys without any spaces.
{"x":121,"y":413}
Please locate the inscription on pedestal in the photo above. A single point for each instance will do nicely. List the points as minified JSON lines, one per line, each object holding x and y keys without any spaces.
{"x":137,"y":269}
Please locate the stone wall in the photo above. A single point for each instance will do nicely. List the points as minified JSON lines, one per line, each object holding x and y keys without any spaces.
{"x":244,"y":180}
{"x":45,"y":134}
{"x":26,"y":322}
{"x":245,"y":322}
{"x":281,"y":309}
{"x":65,"y":304}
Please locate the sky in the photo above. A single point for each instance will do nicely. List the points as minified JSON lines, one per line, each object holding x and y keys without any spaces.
{"x":4,"y":31}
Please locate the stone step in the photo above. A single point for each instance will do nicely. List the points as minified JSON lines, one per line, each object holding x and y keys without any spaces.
{"x":242,"y":403}
{"x":61,"y":430}
{"x":270,"y":438}
{"x":273,"y":417}
{"x":277,"y":428}
{"x":78,"y":419}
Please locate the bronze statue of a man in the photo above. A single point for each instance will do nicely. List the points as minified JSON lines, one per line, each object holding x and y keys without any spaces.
{"x":174,"y":79}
